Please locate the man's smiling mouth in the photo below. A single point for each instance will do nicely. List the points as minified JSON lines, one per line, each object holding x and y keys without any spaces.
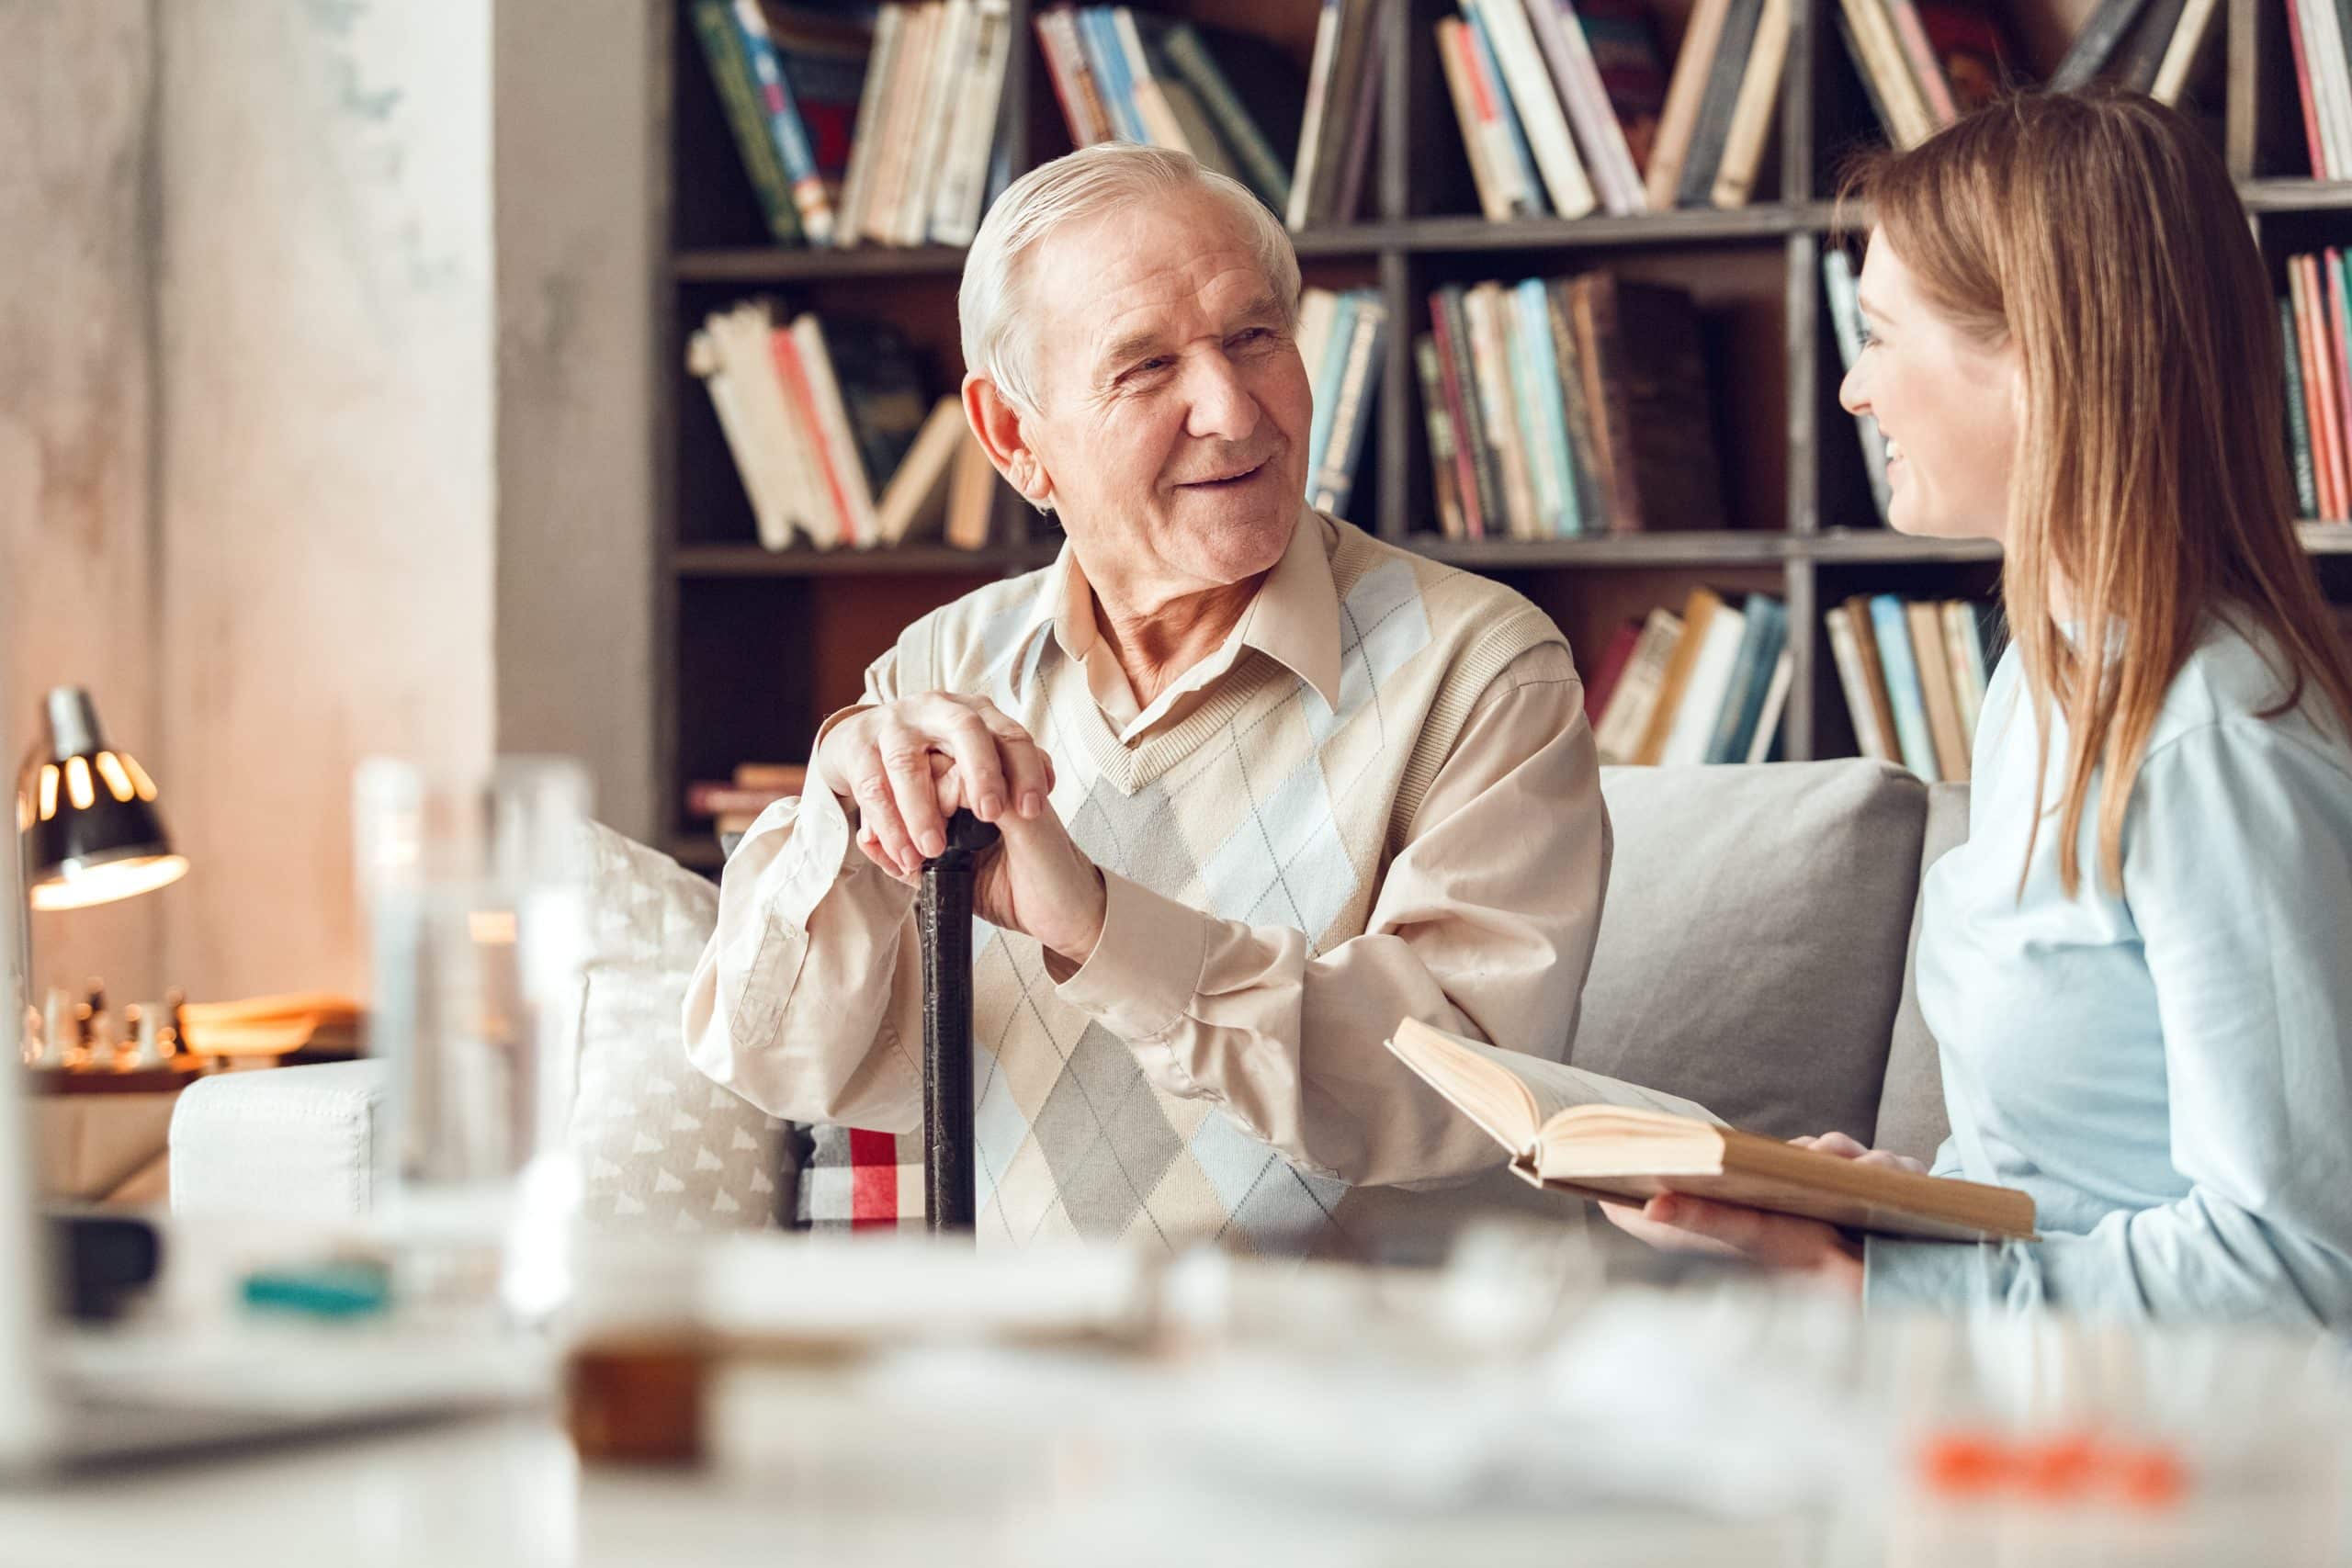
{"x":1240,"y":475}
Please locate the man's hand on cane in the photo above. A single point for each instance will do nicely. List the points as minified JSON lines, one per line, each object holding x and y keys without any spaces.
{"x":906,"y":766}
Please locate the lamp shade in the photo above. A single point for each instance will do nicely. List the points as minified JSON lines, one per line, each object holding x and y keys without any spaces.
{"x":85,"y":812}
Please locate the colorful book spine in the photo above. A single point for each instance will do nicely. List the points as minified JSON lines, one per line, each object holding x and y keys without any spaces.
{"x":1449,"y":325}
{"x":1892,"y":624}
{"x":1351,"y":410}
{"x":731,"y":73}
{"x":1326,"y":378}
{"x":810,"y":197}
{"x":2299,"y":430}
{"x":1495,"y":95}
{"x":1100,"y":33}
{"x":1534,"y":340}
{"x":1445,"y":488}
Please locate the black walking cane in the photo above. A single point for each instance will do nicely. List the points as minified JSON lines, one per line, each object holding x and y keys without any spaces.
{"x":944,"y":919}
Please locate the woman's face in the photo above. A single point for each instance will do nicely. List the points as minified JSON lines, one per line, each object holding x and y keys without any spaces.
{"x":1948,"y":406}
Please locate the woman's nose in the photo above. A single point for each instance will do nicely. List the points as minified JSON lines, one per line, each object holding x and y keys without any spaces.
{"x":1850,"y":395}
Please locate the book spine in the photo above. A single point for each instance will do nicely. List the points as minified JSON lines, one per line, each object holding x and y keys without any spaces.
{"x":1326,"y":376}
{"x":1633,"y":703}
{"x":1698,"y":614}
{"x":1342,"y":104}
{"x":722,"y":48}
{"x":1351,"y":410}
{"x":1304,"y":170}
{"x":1702,"y":698}
{"x":1903,"y":688}
{"x":1098,"y":34}
{"x":956,"y":213}
{"x":1605,"y":675}
{"x":1694,"y":67}
{"x":1152,"y":109}
{"x":1776,"y":702}
{"x":1601,"y":354}
{"x":853,"y":491}
{"x":2323,"y":36}
{"x":2317,"y":377}
{"x":2094,"y":43}
{"x":1751,"y":671}
{"x":824,"y":503}
{"x":1496,"y":108}
{"x":2303,"y":90}
{"x":1545,"y":125}
{"x":810,"y":197}
{"x":704,"y":361}
{"x":2299,"y":430}
{"x":1260,"y":164}
{"x":1593,"y":507}
{"x":1602,"y":141}
{"x":1751,"y":115}
{"x":2329,"y":337}
{"x":1714,"y":131}
{"x":1531,"y":337}
{"x":1881,"y":63}
{"x":951,"y":64}
{"x":1347,"y":206}
{"x":1449,"y":326}
{"x":1855,"y":683}
{"x":2188,"y":40}
{"x":1445,"y":478}
{"x":1491,"y":355}
{"x":1935,"y":689}
{"x":1926,"y":71}
{"x":1967,"y":674}
{"x":857,"y":184}
{"x":1494,"y":200}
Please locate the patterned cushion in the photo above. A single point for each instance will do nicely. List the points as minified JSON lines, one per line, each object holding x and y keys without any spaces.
{"x":854,"y":1181}
{"x":660,"y":1144}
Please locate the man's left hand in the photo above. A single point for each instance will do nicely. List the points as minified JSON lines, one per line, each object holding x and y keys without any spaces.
{"x":1037,"y":881}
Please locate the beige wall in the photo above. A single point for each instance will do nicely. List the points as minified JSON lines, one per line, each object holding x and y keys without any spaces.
{"x":76,"y":394}
{"x":325,"y":426}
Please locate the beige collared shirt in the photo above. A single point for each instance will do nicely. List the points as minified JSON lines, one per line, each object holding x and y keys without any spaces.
{"x":1483,"y":922}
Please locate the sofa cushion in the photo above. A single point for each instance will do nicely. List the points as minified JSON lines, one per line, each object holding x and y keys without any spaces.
{"x":292,"y":1142}
{"x":1751,"y":948}
{"x":659,"y":1144}
{"x":1911,"y":1119}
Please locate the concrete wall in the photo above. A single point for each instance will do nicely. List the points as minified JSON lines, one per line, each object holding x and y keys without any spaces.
{"x":77,"y":547}
{"x":575,"y":175}
{"x":325,"y":426}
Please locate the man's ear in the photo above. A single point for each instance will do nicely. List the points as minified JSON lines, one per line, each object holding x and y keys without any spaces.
{"x":997,"y":423}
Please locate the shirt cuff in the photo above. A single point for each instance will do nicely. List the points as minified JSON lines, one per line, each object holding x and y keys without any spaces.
{"x":1140,"y":979}
{"x":816,"y":775}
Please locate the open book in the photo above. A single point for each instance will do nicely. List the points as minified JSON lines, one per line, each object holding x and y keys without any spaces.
{"x":1617,"y":1142}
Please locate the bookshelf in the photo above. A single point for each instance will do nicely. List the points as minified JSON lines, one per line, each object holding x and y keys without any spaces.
{"x":755,"y":648}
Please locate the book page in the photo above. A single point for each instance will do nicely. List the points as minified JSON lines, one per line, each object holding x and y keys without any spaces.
{"x":1465,"y":1071}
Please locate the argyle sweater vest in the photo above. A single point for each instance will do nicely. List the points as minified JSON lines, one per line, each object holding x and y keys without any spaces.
{"x":1264,"y":805}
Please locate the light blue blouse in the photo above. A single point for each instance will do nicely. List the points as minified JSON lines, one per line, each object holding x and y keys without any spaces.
{"x":2169,"y":1071}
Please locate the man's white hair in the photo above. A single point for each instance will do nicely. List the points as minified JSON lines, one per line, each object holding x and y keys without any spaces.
{"x":991,"y":303}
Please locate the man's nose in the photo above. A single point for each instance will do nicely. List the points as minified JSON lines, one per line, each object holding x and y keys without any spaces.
{"x":1221,"y":407}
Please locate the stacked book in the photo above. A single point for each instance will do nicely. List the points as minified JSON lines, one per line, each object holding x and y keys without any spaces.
{"x":1231,"y":101}
{"x":1846,"y":321}
{"x":1914,"y":675}
{"x":2311,"y":320}
{"x":1577,"y":405}
{"x":2149,"y":46}
{"x":833,"y":436}
{"x":1340,"y":339}
{"x":1708,"y":685}
{"x":732,"y":806}
{"x":1924,"y":63}
{"x":851,"y":133}
{"x":1565,"y":108}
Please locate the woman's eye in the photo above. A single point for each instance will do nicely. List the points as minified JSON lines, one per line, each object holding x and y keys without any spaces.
{"x":1869,"y":337}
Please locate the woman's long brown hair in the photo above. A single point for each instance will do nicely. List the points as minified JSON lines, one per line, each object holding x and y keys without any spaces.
{"x":2100,"y":232}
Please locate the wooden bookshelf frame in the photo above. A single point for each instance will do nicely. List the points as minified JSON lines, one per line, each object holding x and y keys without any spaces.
{"x":1402,"y":248}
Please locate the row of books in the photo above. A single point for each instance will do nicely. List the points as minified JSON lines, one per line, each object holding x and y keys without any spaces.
{"x":1707,"y":685}
{"x":1924,"y":63}
{"x":1843,"y":289}
{"x":832,"y":435}
{"x":1567,"y":406}
{"x":2313,"y":322}
{"x":1564,"y":108}
{"x":852,"y":133}
{"x":1914,"y":676}
{"x":2321,"y":37}
{"x":1342,"y":337}
{"x":730,"y":805}
{"x":2149,"y":46}
{"x":1231,"y":101}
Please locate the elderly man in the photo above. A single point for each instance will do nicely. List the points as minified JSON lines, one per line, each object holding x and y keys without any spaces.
{"x":1265,"y":785}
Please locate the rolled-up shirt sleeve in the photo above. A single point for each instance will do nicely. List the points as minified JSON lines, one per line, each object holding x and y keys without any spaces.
{"x":2238,"y":873}
{"x":807,"y":996}
{"x":1484,"y":924}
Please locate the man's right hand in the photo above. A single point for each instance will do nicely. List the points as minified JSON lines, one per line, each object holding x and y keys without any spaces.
{"x":890,"y":760}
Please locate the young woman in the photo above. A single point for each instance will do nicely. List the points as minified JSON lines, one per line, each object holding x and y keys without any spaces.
{"x":2137,"y":967}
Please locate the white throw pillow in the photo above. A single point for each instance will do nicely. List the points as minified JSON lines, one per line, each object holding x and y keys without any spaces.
{"x":660,"y":1144}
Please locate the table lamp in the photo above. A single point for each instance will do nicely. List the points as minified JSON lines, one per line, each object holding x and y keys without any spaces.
{"x":88,"y":831}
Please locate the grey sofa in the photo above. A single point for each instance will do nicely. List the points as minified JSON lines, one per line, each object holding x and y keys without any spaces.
{"x":1754,"y":956}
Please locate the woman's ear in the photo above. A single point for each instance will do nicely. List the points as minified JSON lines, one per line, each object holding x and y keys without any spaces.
{"x":999,"y":425}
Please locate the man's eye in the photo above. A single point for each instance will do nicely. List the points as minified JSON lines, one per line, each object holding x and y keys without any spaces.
{"x":1252,"y":334}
